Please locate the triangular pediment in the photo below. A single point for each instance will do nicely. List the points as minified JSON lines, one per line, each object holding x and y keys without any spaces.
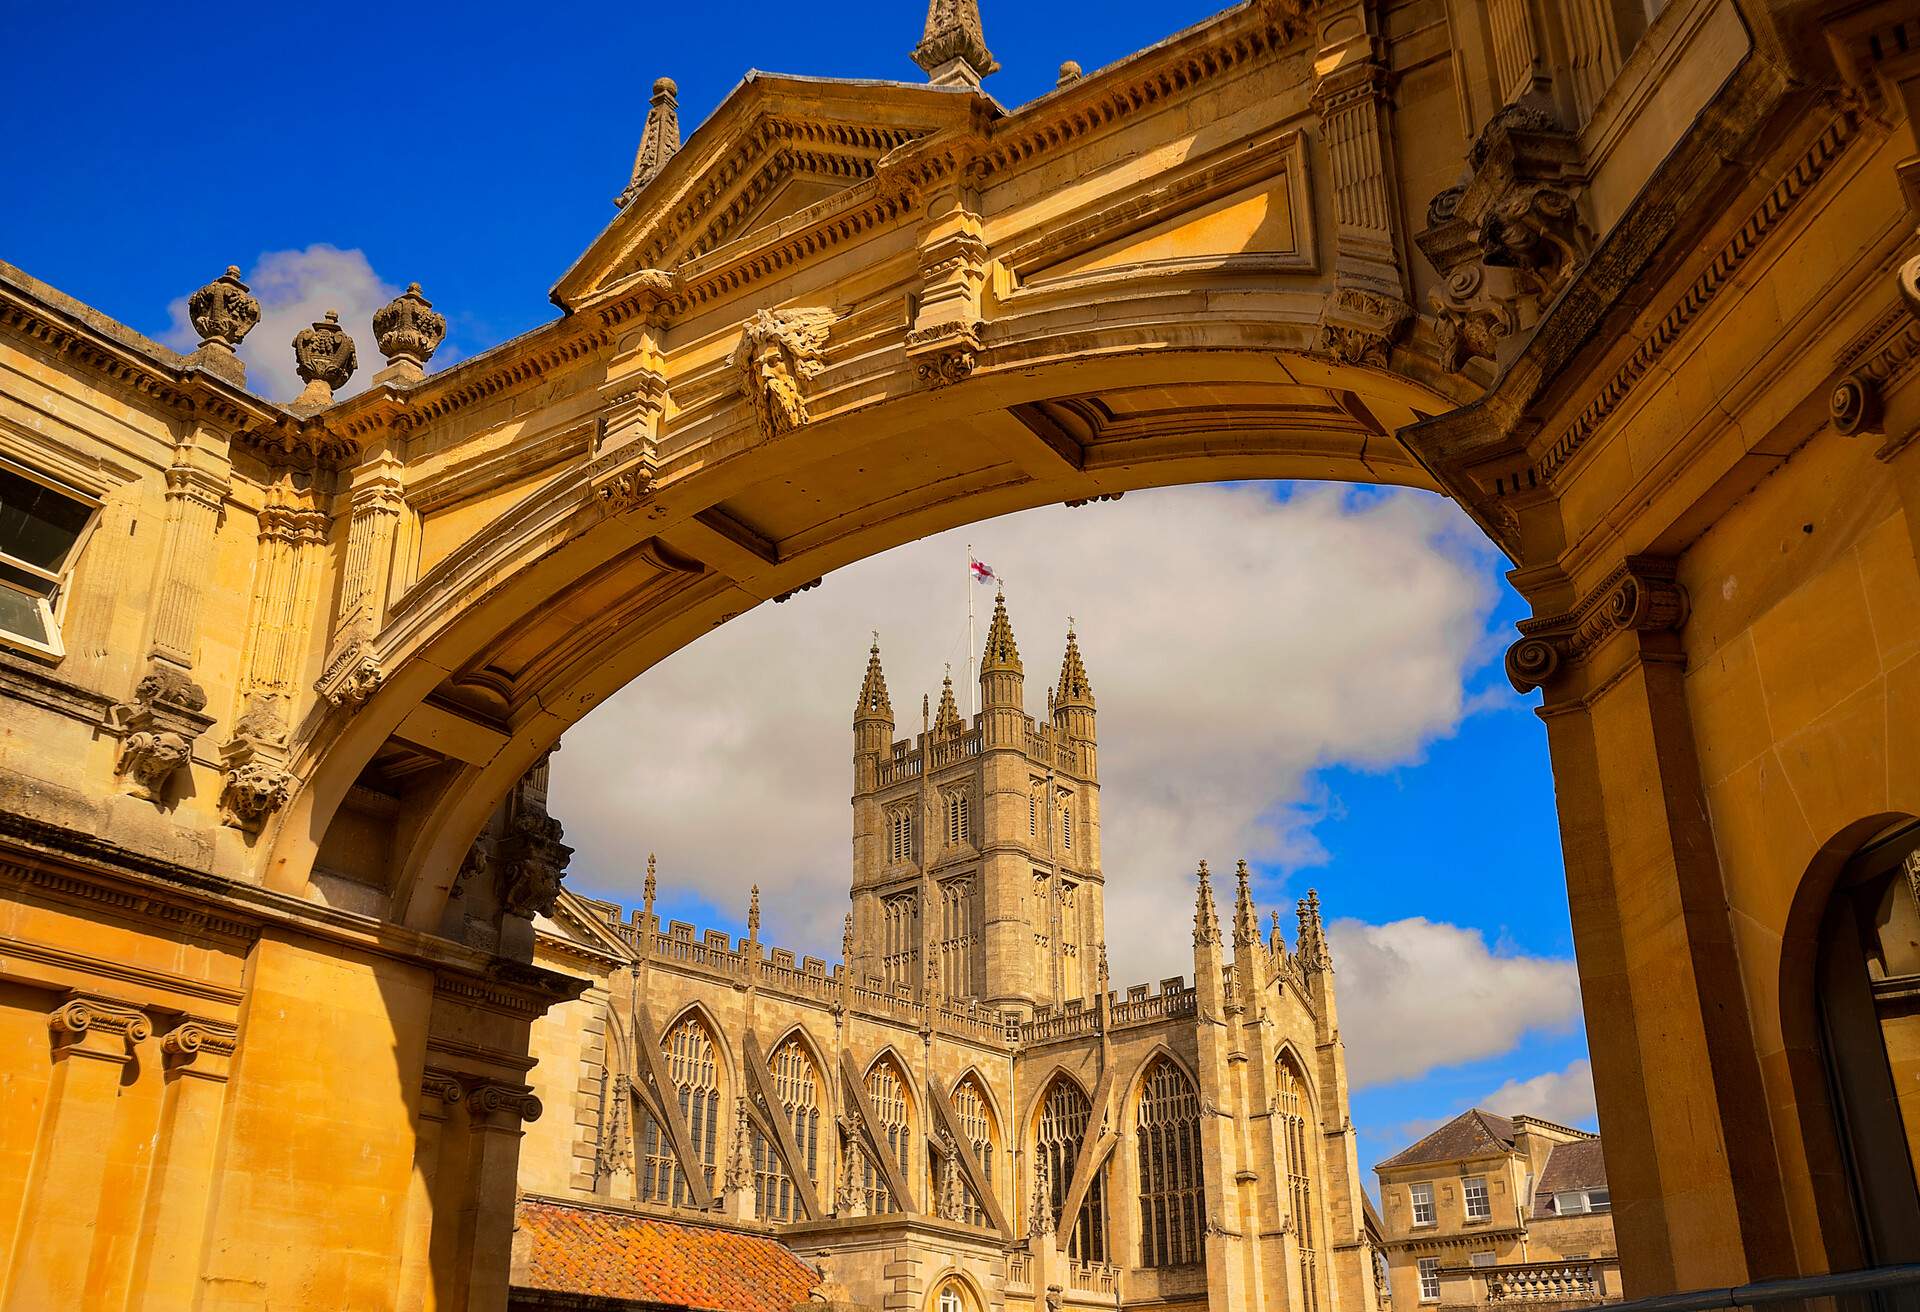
{"x":583,"y":921}
{"x":776,"y":151}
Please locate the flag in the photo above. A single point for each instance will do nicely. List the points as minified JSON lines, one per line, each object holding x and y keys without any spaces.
{"x":982,"y":572}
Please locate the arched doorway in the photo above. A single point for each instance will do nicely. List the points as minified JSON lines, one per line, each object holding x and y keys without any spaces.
{"x":1867,"y":995}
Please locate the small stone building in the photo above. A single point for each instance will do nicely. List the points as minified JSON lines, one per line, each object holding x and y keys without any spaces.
{"x":963,"y":1114}
{"x":1492,"y":1210}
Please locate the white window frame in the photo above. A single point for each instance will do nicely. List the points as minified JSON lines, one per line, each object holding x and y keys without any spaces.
{"x":1482,"y":1259}
{"x":1427,"y":1272}
{"x":52,"y":601}
{"x":1468,"y":1199}
{"x":1419,"y":1202}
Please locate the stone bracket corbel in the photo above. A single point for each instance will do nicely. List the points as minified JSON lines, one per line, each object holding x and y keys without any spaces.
{"x":256,"y":782}
{"x":1640,"y":595}
{"x":158,"y":729}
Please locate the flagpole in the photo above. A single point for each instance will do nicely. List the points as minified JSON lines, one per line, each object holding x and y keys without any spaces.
{"x":972,"y":681}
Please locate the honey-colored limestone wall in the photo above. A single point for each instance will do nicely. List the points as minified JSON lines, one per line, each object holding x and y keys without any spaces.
{"x":1631,"y":295}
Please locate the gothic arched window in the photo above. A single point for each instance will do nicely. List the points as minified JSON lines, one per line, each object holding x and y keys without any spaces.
{"x":976,"y":1122}
{"x":900,"y":834}
{"x":1172,"y":1189}
{"x":694,"y":1072}
{"x":900,"y":938}
{"x":1297,"y":1138}
{"x":887,"y":1095}
{"x":1063,"y":1125}
{"x":959,"y":814}
{"x":796,"y":1082}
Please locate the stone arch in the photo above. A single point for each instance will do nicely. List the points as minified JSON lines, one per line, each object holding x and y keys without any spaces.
{"x":1137,"y":1078}
{"x":815,"y":1053}
{"x":996,"y":1114}
{"x":1804,"y":1041}
{"x":1030,"y":1114}
{"x":954,"y":1278}
{"x":1288,"y":1052}
{"x":729,"y":1062}
{"x":1169,"y":1158}
{"x":557,"y":548}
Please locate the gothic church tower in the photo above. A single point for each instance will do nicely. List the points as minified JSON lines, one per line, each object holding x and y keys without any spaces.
{"x":976,"y":847}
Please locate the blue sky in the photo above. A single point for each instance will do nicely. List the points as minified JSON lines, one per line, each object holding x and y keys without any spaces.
{"x":345,"y":150}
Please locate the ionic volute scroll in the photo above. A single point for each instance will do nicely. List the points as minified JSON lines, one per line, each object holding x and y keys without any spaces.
{"x":1641,"y":595}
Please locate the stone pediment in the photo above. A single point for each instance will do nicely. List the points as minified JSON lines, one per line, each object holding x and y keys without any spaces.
{"x":777,"y":147}
{"x":574,"y":919}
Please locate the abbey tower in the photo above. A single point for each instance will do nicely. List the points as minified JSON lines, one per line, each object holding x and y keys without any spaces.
{"x":976,"y":846}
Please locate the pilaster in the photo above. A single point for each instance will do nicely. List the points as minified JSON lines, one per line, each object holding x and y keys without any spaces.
{"x":198,"y":1056}
{"x":496,"y":1113}
{"x":93,"y":1040}
{"x":377,"y":504}
{"x":1658,"y":974}
{"x":197,"y":485}
{"x":1368,"y":308}
{"x":440,"y":1091}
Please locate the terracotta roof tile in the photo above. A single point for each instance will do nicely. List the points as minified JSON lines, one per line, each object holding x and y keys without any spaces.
{"x":1472,"y":1133}
{"x":614,"y":1254}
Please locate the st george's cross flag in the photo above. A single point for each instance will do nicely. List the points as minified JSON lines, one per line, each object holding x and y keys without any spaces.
{"x":982,"y":572}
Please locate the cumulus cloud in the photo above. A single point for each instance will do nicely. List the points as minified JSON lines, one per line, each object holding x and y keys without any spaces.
{"x":295,"y":288}
{"x":1563,"y":1096}
{"x":1416,"y":995}
{"x":1235,"y":642}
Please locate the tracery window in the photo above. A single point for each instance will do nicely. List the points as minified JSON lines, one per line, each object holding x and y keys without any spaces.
{"x":976,"y":1122}
{"x":796,"y":1082}
{"x":1296,"y":1138}
{"x":887,"y":1095}
{"x":1063,"y":1125}
{"x":959,"y":814}
{"x":1172,"y":1188}
{"x":694,"y":1073}
{"x":900,"y":834}
{"x":954,"y":963}
{"x":901,"y":938}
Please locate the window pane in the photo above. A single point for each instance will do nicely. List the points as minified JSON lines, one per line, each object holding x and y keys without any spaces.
{"x":37,"y":524}
{"x":23,"y":615}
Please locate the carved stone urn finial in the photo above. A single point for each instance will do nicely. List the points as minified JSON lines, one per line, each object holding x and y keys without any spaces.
{"x":323,"y":356}
{"x":953,"y":47}
{"x":223,"y":312}
{"x":408,"y":331}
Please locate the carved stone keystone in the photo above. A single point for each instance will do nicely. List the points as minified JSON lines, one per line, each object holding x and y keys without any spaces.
{"x":408,"y":330}
{"x":323,"y":356}
{"x":223,"y":312}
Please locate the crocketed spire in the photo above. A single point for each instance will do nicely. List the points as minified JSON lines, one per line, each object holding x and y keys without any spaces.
{"x":1002,"y":655}
{"x":1246,"y":919}
{"x":873,"y":704}
{"x":953,"y":48}
{"x":1074,"y":690}
{"x":1206,"y":921}
{"x":1311,"y":946}
{"x":659,"y":140}
{"x":946,"y":721}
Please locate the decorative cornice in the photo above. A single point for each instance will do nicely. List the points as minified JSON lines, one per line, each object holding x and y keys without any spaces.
{"x":1688,"y":307}
{"x":1640,"y":595}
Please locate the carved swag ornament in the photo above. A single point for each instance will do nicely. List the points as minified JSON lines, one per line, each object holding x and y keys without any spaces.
{"x":1509,"y":238}
{"x":779,"y":351}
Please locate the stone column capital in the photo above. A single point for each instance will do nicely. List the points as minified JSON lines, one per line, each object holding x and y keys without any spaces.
{"x":201,"y":1048}
{"x":500,"y":1108}
{"x":88,"y":1025}
{"x":439,"y":1091}
{"x":1640,"y":594}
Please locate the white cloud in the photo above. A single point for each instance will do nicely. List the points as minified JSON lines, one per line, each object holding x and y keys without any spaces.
{"x":1235,"y":643}
{"x":1564,"y":1096}
{"x":296,"y":288}
{"x":1415,"y":995}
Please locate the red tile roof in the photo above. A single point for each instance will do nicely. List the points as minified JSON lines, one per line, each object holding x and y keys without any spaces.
{"x":614,"y":1254}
